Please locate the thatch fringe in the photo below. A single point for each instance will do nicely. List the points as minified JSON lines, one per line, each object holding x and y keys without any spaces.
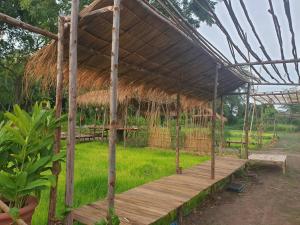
{"x":98,"y":98}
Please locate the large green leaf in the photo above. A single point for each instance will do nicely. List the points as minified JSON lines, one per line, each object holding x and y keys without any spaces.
{"x":21,"y":179}
{"x":6,"y":181}
{"x":36,"y":184}
{"x":38,"y":164}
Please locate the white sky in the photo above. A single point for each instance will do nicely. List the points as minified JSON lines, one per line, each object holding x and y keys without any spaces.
{"x":263,"y":22}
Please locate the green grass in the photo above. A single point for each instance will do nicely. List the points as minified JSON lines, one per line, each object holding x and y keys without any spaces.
{"x":135,"y":166}
{"x":236,"y":135}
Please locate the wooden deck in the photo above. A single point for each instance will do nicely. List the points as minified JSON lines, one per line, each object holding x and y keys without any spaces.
{"x":150,"y":202}
{"x":277,"y":159}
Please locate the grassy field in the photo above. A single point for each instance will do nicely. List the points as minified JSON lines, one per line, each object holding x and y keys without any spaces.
{"x":135,"y":166}
{"x":236,"y":135}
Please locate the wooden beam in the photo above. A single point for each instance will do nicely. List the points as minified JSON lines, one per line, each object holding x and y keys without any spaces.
{"x":72,"y":110}
{"x":213,"y":127}
{"x":178,"y":168}
{"x":58,"y":109}
{"x":247,"y":122}
{"x":113,"y":110}
{"x":98,"y":12}
{"x":262,"y":63}
{"x":281,"y":84}
{"x":272,"y":93}
{"x":17,"y":23}
{"x":291,"y":100}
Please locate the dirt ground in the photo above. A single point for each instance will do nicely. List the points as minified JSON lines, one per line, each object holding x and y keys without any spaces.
{"x":269,"y":199}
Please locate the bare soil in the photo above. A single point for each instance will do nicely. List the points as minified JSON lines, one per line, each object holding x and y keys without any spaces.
{"x":270,"y":198}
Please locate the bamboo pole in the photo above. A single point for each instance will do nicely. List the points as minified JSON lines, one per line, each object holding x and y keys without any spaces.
{"x":113,"y":109}
{"x":5,"y":209}
{"x":103,"y":122}
{"x":26,"y":26}
{"x":222,"y":124}
{"x":247,"y":122}
{"x":125,"y":122}
{"x":178,"y":168}
{"x":72,"y":110}
{"x":213,"y":127}
{"x":58,"y":109}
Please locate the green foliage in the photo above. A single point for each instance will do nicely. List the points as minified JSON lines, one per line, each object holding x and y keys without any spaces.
{"x":193,"y":13}
{"x":26,"y":142}
{"x":14,"y":213}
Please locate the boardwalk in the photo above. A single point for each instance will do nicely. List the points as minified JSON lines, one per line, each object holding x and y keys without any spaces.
{"x":150,"y":202}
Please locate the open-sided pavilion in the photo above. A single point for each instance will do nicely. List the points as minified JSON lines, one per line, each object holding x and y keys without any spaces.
{"x":133,"y":46}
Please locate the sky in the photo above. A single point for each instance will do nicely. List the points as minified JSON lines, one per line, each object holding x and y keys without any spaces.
{"x":262,"y":19}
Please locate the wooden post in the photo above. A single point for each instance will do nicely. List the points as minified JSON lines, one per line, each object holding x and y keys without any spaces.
{"x":178,"y":168}
{"x":113,"y":110}
{"x":95,"y":123}
{"x":247,"y":122}
{"x":274,"y":128}
{"x":213,"y":125}
{"x":72,"y":110}
{"x":103,"y":123}
{"x":222,"y":125}
{"x":125,"y":122}
{"x":58,"y":108}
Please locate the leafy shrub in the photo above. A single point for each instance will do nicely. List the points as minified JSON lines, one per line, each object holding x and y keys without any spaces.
{"x":26,"y":154}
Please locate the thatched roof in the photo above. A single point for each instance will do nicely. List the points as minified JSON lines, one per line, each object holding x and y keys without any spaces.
{"x":99,"y":98}
{"x":154,"y":55}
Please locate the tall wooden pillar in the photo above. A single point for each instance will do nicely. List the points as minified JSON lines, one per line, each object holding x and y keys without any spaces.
{"x":178,"y":168}
{"x":72,"y":110}
{"x":113,"y":109}
{"x":247,"y":122}
{"x":222,"y":125}
{"x":58,"y":108}
{"x":213,"y":125}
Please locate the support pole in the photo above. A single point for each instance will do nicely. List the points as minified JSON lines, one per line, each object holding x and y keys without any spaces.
{"x":247,"y":122}
{"x":72,"y":110}
{"x":58,"y":108}
{"x":178,"y":168}
{"x":213,"y":125}
{"x":125,"y":122}
{"x":222,"y":125}
{"x":113,"y":110}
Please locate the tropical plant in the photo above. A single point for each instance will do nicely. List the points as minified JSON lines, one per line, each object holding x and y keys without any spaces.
{"x":26,"y":155}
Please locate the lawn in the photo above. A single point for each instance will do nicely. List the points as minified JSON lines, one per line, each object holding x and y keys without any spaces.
{"x":236,"y":135}
{"x":135,"y":166}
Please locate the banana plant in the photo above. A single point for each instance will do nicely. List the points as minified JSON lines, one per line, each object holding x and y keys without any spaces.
{"x":26,"y":155}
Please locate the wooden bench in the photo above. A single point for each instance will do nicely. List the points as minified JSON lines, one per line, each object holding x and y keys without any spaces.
{"x":235,"y":142}
{"x":270,"y":158}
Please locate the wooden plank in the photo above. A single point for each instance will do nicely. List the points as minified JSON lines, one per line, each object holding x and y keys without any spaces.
{"x":150,"y":202}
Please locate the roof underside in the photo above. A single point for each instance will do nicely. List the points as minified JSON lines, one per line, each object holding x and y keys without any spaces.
{"x":154,"y":54}
{"x":278,"y":98}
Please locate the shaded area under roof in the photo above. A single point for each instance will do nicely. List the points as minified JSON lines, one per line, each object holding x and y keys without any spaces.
{"x":155,"y":55}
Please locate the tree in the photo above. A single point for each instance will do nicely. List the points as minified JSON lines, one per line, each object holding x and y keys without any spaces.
{"x":193,"y":13}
